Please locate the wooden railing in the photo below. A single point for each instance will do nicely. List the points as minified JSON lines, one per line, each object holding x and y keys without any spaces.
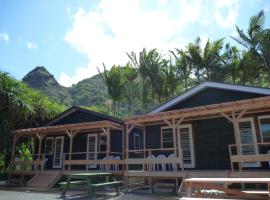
{"x":105,"y":161}
{"x":148,"y":160}
{"x":261,"y":154}
{"x":33,"y":162}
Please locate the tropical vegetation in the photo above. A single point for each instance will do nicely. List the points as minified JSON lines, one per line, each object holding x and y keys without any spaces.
{"x":21,"y":107}
{"x":150,"y":78}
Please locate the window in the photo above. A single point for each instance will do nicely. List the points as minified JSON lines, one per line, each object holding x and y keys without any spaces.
{"x":137,"y":141}
{"x":264,"y":122}
{"x":166,"y":137}
{"x":49,"y":145}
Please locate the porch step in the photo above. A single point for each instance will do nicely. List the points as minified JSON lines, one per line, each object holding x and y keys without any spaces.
{"x":45,"y":179}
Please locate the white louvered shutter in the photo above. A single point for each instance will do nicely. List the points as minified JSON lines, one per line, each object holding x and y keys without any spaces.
{"x":92,"y":149}
{"x":58,"y":152}
{"x":248,"y":137}
{"x":185,"y":141}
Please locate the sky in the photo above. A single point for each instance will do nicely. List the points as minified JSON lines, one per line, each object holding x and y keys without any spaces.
{"x":73,"y":38}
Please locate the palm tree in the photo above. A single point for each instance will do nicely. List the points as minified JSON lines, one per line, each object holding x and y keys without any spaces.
{"x":148,"y":65}
{"x":183,"y":66}
{"x":130,"y":76}
{"x":206,"y":61}
{"x":114,"y":82}
{"x":231,"y":60}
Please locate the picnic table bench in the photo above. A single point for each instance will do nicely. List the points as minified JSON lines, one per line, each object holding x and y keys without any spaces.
{"x":87,"y":179}
{"x":220,"y":184}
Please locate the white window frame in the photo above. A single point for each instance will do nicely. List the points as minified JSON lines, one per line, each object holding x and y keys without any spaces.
{"x":46,"y":139}
{"x":251,"y":119}
{"x":134,"y":141}
{"x":192,"y":165}
{"x":259,"y":119}
{"x":161,"y":135}
{"x":62,"y":149}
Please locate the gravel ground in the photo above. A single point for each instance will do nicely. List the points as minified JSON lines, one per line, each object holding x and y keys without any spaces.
{"x":54,"y":195}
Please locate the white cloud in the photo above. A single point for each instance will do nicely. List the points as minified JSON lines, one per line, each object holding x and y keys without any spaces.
{"x":119,"y":26}
{"x":4,"y":37}
{"x":231,"y":8}
{"x":31,"y":45}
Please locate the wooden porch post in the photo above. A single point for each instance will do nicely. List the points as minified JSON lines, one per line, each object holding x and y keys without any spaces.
{"x":15,"y":138}
{"x":40,"y":139}
{"x":71,"y":135}
{"x":174,"y":125}
{"x":235,"y":121}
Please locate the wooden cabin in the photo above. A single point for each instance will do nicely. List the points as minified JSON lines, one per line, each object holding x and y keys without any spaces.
{"x":77,"y":140}
{"x":212,"y":130}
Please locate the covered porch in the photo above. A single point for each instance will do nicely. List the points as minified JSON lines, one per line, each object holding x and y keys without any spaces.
{"x":179,"y":150}
{"x":95,"y":146}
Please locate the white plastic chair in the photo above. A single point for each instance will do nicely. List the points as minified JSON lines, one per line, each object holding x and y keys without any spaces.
{"x":116,"y":166}
{"x":103,"y":167}
{"x":151,"y":167}
{"x":172,"y":166}
{"x":108,"y":166}
{"x":163,"y":165}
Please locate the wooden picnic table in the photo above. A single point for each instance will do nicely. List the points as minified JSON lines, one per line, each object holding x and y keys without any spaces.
{"x":87,"y":178}
{"x":221,"y":185}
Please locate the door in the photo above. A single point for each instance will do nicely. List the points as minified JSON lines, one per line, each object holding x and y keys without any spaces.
{"x":248,"y":140}
{"x":92,"y":149}
{"x":185,"y":141}
{"x":58,"y":152}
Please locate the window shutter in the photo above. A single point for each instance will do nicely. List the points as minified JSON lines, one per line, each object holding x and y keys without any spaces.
{"x":92,"y":149}
{"x":248,"y":137}
{"x":185,"y":140}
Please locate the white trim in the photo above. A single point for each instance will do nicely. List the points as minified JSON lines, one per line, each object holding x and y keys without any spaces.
{"x":96,"y":145}
{"x":189,"y":126}
{"x":99,"y":139}
{"x":161,"y":135}
{"x":259,"y":118}
{"x":46,"y":139}
{"x":205,"y":85}
{"x":62,"y":147}
{"x":251,"y":120}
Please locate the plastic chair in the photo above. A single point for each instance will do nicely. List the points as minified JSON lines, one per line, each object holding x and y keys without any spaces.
{"x":116,"y":166}
{"x":151,"y":167}
{"x":103,"y":166}
{"x":172,"y":166}
{"x":163,"y":165}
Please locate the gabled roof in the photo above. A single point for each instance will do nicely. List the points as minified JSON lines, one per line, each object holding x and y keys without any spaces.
{"x":76,"y":108}
{"x":205,"y":85}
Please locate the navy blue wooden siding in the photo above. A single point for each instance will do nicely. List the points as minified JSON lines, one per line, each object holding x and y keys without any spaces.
{"x":213,"y":96}
{"x":211,"y":140}
{"x":116,"y":141}
{"x":153,"y":140}
{"x":78,"y":117}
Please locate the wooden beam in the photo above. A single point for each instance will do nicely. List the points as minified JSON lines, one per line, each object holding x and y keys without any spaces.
{"x":169,"y":123}
{"x":240,"y":115}
{"x":108,"y":135}
{"x":226,"y":116}
{"x":129,"y":129}
{"x":15,"y":139}
{"x":179,"y":121}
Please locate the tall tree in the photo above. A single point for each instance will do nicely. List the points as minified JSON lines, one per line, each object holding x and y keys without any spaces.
{"x":183,"y":66}
{"x":114,"y":82}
